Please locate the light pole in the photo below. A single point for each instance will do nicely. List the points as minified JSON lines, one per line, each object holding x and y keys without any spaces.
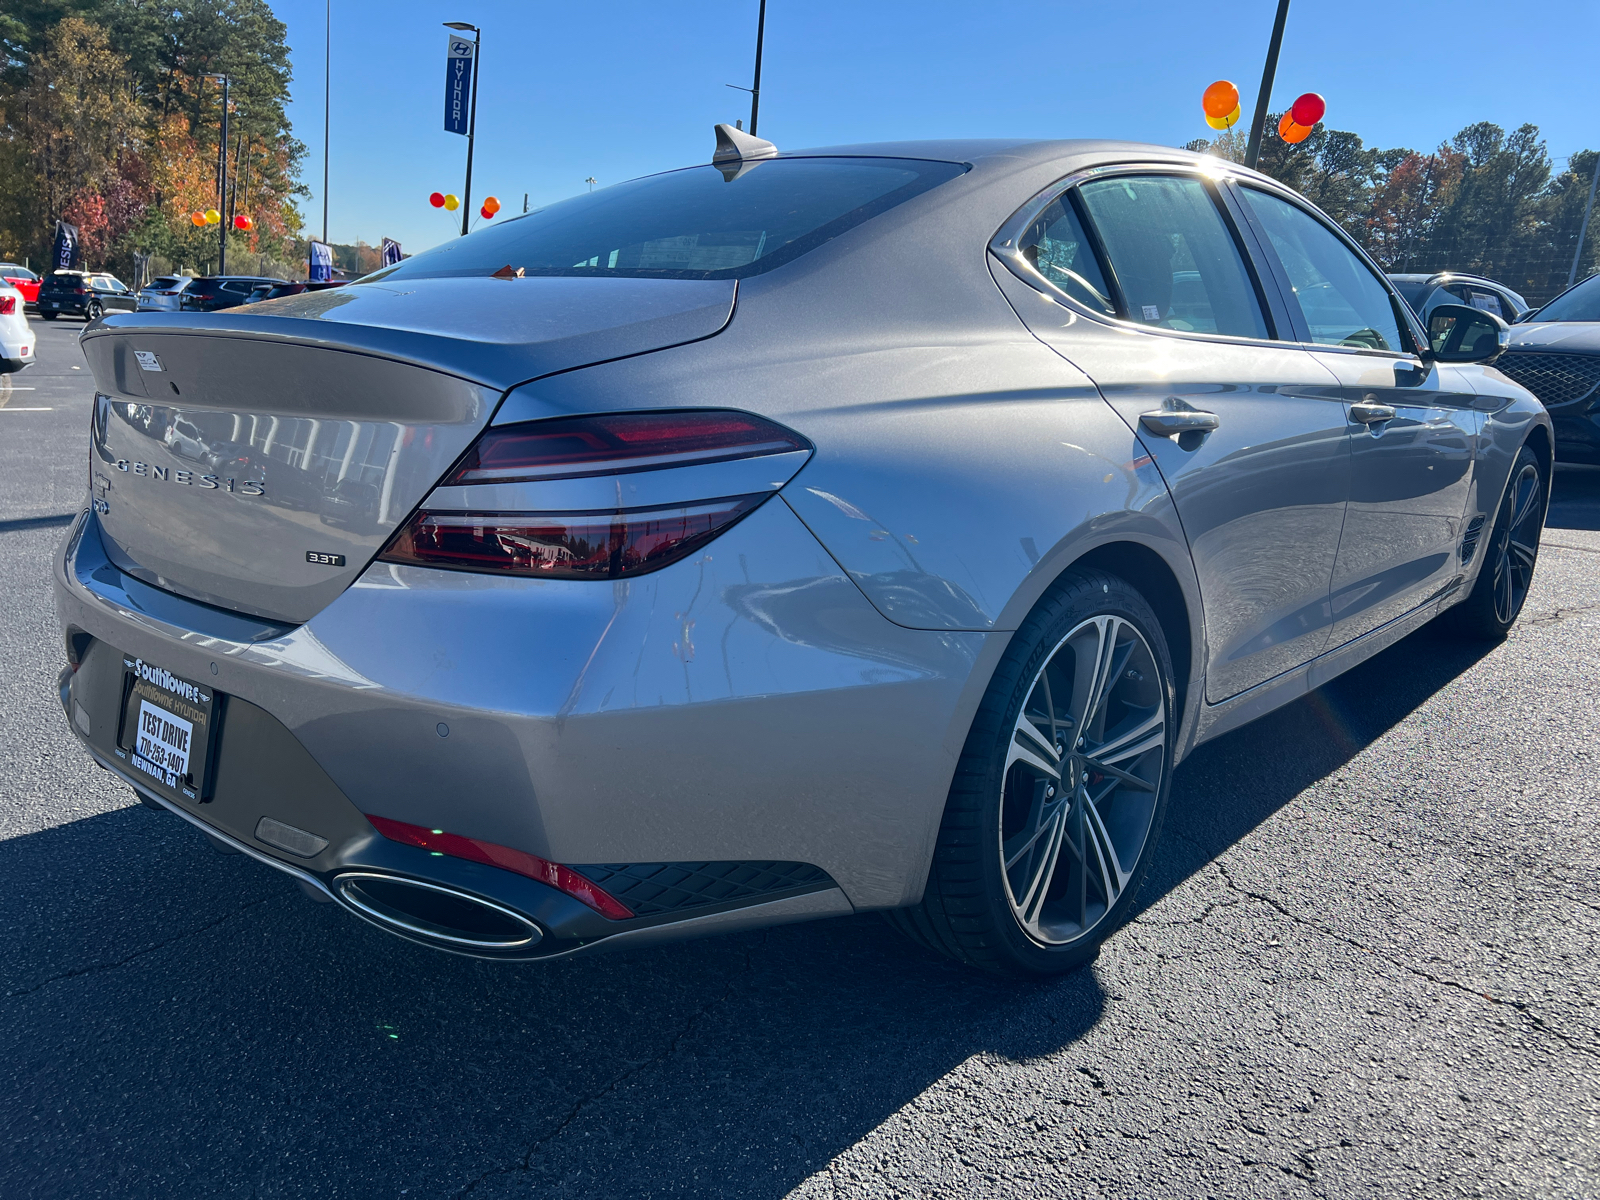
{"x":1577,"y":255}
{"x":327,"y":96}
{"x":1259,"y":121}
{"x":472,"y":115}
{"x":222,"y":180}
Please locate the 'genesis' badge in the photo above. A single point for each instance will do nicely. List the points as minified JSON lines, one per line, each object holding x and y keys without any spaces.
{"x":148,"y":360}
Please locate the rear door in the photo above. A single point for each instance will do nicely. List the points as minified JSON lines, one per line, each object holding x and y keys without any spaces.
{"x":1248,"y":430}
{"x":1414,"y":425}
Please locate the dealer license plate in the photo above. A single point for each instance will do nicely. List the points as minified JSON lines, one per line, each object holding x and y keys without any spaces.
{"x":167,"y":729}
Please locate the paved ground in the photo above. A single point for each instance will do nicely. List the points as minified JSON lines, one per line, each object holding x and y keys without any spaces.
{"x":1366,"y":966}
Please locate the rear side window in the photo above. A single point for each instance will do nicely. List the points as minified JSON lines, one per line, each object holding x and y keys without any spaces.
{"x":690,"y":224}
{"x":1057,"y":247}
{"x":165,"y":283}
{"x":1174,"y":258}
{"x":1342,"y":300}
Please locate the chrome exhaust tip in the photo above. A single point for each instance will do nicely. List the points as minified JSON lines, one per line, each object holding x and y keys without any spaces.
{"x":441,"y":916}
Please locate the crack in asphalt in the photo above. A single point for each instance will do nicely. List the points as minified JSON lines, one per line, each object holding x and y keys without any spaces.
{"x":585,"y":1102}
{"x":1551,"y":617}
{"x":97,"y":968}
{"x":1518,"y":1006}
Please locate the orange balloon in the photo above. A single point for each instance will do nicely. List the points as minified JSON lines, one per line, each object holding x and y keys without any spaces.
{"x":1220,"y":99}
{"x":492,"y":205}
{"x":198,"y":218}
{"x":1290,"y":132}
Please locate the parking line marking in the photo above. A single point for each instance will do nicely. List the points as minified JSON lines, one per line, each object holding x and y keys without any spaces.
{"x":7,"y":408}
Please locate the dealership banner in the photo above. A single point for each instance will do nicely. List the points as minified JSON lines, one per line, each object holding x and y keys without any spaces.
{"x":391,"y":252}
{"x":321,"y":262}
{"x":459,"y":63}
{"x":65,"y":251}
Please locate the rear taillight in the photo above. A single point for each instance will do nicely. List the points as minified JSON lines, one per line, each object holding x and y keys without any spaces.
{"x":8,"y":305}
{"x":563,"y":879}
{"x":543,"y":463}
{"x":80,"y":291}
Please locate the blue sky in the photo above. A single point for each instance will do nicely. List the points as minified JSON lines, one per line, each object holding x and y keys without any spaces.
{"x":620,"y":89}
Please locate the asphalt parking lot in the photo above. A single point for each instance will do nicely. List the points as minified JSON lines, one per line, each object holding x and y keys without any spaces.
{"x":1366,"y":965}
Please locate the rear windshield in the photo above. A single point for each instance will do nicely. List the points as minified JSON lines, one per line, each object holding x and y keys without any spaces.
{"x":1581,"y":303}
{"x":688,"y":224}
{"x":165,"y":283}
{"x":71,"y":278}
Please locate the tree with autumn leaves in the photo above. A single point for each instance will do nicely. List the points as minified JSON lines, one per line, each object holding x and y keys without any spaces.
{"x":1486,"y":201}
{"x":108,"y":120}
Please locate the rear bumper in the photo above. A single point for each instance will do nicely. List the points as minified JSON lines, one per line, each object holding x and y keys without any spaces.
{"x":745,"y":706}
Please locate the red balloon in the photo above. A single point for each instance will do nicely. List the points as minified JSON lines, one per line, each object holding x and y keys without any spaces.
{"x":242,"y":222}
{"x":487,"y":215}
{"x":1308,"y":109}
{"x":437,"y":199}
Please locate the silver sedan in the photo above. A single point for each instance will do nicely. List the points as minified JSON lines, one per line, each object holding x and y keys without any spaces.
{"x":799,"y":534}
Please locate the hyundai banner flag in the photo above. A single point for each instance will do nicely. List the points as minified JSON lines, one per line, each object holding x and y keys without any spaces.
{"x":321,"y":262}
{"x":458,"y":85}
{"x":391,"y":252}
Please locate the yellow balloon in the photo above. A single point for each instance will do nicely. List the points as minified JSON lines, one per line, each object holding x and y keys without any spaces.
{"x":452,"y":202}
{"x":212,"y":216}
{"x":1227,"y":122}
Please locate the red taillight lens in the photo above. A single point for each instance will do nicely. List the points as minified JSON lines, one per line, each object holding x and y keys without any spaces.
{"x":564,"y":545}
{"x":8,"y":305}
{"x":604,"y":445}
{"x":563,"y":879}
{"x":553,"y":542}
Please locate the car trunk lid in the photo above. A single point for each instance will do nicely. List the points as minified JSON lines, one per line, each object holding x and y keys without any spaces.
{"x":259,"y":463}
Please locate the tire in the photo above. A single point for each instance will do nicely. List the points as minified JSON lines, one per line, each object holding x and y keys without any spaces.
{"x":1041,"y":853}
{"x":49,"y":316}
{"x":1510,"y":553}
{"x":93,"y":312}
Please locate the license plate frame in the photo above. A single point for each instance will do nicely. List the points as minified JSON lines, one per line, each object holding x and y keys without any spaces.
{"x":187,"y":742}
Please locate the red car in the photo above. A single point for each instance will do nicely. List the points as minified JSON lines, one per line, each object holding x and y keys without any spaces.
{"x":24,"y":280}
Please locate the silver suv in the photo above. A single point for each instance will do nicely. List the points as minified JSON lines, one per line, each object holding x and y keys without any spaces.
{"x":163,"y":293}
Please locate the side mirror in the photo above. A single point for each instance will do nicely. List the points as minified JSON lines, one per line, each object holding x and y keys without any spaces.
{"x":1459,"y":334}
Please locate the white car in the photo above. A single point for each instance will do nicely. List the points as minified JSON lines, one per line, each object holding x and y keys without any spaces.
{"x":16,"y":335}
{"x":163,"y":294}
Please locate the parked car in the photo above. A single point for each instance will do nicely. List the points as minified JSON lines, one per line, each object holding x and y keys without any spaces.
{"x":1019,"y":470}
{"x":88,"y":294}
{"x":1424,"y":293}
{"x":24,"y":280}
{"x":16,"y":336}
{"x":1555,"y":353}
{"x":278,"y":291}
{"x":163,"y":293}
{"x":208,"y":293}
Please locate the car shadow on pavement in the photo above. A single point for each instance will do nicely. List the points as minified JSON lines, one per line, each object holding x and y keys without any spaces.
{"x":183,"y":1023}
{"x":1574,"y":498}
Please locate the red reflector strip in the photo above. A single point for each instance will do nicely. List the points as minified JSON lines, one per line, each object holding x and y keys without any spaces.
{"x":564,"y":545}
{"x":8,"y":305}
{"x":563,"y":879}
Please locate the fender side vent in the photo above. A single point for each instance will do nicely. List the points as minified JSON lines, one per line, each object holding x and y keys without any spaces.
{"x":1469,"y":540}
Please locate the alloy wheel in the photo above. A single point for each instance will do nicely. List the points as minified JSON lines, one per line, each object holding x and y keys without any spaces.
{"x":1083,"y":773}
{"x":1517,"y":548}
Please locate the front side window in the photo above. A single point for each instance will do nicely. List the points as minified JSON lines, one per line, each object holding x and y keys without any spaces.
{"x":1342,"y":300}
{"x":691,"y":224}
{"x":1174,"y":258}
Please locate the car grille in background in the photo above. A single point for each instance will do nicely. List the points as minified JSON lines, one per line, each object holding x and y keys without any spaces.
{"x":653,"y":888}
{"x":1554,"y":378}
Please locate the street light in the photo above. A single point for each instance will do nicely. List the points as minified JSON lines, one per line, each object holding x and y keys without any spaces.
{"x":222,"y":180}
{"x":472,"y":115}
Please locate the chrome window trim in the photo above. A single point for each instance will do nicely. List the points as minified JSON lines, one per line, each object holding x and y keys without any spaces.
{"x":1004,"y":247}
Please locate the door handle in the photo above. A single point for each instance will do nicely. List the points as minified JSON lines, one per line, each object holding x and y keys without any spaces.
{"x":1371,"y":414}
{"x":1167,"y":422}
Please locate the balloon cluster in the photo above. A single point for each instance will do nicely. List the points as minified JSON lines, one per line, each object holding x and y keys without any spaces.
{"x":449,"y":202}
{"x":1296,"y":124}
{"x":212,"y":217}
{"x":1221,"y":105}
{"x":490,"y":207}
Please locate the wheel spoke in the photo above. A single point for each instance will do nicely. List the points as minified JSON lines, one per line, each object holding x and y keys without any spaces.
{"x":1044,"y":869}
{"x":1132,"y":781}
{"x":1526,"y":496}
{"x":1032,"y":745}
{"x":1132,"y":741}
{"x":1523,"y":554}
{"x":1112,"y":877}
